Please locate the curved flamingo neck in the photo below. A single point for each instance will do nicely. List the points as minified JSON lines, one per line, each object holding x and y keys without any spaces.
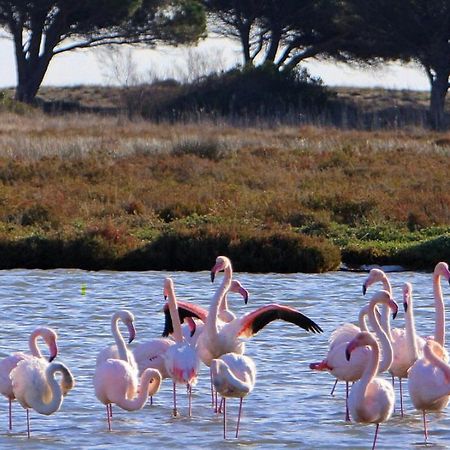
{"x":363,"y":313}
{"x":177,"y":332}
{"x":54,"y":404}
{"x":439,"y":325}
{"x":118,"y":338}
{"x":372,"y":368}
{"x":211,"y":322}
{"x":388,"y":355}
{"x":32,"y":343}
{"x":444,"y":367}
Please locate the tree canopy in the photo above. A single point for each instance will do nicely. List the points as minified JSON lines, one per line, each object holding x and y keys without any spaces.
{"x":282,"y":32}
{"x":405,"y":30}
{"x":42,"y":29}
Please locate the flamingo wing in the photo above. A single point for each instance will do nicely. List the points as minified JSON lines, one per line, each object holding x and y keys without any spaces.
{"x":258,"y":319}
{"x":185,"y":310}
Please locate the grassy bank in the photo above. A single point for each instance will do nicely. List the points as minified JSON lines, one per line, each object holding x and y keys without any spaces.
{"x":104,"y":192}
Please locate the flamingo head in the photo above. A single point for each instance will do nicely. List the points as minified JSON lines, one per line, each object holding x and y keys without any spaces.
{"x":441,"y":270}
{"x":360,"y":340}
{"x":407,"y":292}
{"x":168,"y":287}
{"x":127,"y":318}
{"x":374,"y":276}
{"x":237,"y":287}
{"x":50,"y":338}
{"x":385,"y":298}
{"x":222,"y":262}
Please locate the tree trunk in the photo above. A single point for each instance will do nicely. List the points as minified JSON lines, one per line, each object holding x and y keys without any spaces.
{"x":439,"y":88}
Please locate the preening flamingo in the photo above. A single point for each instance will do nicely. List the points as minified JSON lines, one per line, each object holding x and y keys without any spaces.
{"x":116,"y":378}
{"x":371,"y":399}
{"x":116,"y":381}
{"x":181,"y":359}
{"x":119,"y":350}
{"x":429,"y":381}
{"x":219,"y":338}
{"x":233,"y":375}
{"x":349,"y":371}
{"x":35,"y":386}
{"x":10,"y":362}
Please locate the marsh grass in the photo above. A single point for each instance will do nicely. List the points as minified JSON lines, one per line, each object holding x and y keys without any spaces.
{"x":120,"y":192}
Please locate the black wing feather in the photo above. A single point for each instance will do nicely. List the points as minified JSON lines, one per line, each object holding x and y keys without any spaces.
{"x":182,"y":314}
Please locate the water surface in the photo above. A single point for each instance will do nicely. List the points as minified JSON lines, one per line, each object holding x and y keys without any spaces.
{"x":290,"y":406}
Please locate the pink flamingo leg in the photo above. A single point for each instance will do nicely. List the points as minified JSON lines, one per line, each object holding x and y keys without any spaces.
{"x":10,"y":415}
{"x":334,"y":387}
{"x":212,"y":389}
{"x":401,"y":397}
{"x":220,"y":406}
{"x":189,"y":391}
{"x":108,"y":416}
{"x":375,"y":438}
{"x":347,"y":414}
{"x":239,"y":416}
{"x":393,"y":385}
{"x":28,"y":423}
{"x":425,"y":430}
{"x":224,"y":418}
{"x":175,"y":412}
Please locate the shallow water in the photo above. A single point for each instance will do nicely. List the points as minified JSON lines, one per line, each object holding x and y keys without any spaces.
{"x":290,"y":406}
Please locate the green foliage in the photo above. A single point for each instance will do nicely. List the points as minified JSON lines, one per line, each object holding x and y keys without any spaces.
{"x":252,"y":92}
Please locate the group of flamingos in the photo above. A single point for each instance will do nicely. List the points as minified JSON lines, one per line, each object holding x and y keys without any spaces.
{"x":357,"y":355}
{"x":128,"y":378}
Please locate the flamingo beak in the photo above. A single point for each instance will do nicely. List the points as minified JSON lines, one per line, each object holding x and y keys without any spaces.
{"x":395,"y":309}
{"x":405,"y":306}
{"x":53,"y":351}
{"x":165,"y":297}
{"x":244,"y":294}
{"x":213,"y":275}
{"x":131,"y":331}
{"x":364,"y":289}
{"x":347,"y":354}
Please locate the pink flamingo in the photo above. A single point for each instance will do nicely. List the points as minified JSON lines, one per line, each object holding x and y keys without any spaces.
{"x":181,"y":359}
{"x":233,"y":375}
{"x":429,"y":381}
{"x":187,"y":311}
{"x":116,"y":379}
{"x":350,"y":371}
{"x":35,"y":386}
{"x":371,"y":399}
{"x":120,"y":350}
{"x":219,"y":338}
{"x":10,"y":362}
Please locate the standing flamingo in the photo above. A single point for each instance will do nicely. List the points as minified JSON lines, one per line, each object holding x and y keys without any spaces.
{"x":35,"y":386}
{"x":181,"y":359}
{"x":429,"y":381}
{"x":10,"y":362}
{"x":350,"y":371}
{"x":233,"y":375}
{"x":116,"y":381}
{"x":119,"y":350}
{"x":371,"y":399}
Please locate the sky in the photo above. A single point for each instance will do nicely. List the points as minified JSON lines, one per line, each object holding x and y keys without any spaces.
{"x":126,"y":65}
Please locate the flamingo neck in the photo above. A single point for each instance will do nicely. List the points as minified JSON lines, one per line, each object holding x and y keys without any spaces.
{"x":144,"y":392}
{"x":211,"y":322}
{"x":372,"y":368}
{"x":363,"y":312}
{"x":224,"y":303}
{"x":32,"y":343}
{"x":386,"y":346}
{"x":385,"y":314}
{"x":439,"y":325}
{"x":410,"y":330}
{"x":118,"y":338}
{"x":177,"y":332}
{"x":55,"y":402}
